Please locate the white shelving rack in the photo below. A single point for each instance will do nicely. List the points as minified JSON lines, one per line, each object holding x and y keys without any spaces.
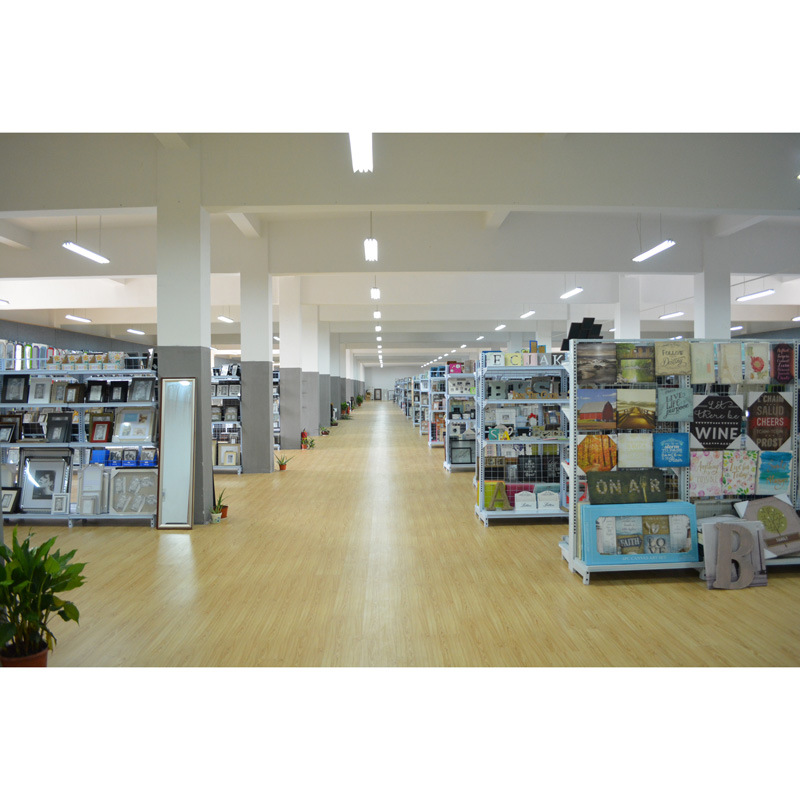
{"x":436,"y":410}
{"x":492,"y":389}
{"x":228,"y":429}
{"x":424,"y":405}
{"x":81,"y":449}
{"x":416,"y":400}
{"x":570,"y":545}
{"x":461,"y":413}
{"x":276,"y":408}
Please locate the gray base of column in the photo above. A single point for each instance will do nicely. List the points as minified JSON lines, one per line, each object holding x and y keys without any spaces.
{"x":291,"y":385}
{"x":309,"y":408}
{"x":324,"y":400}
{"x":257,"y":435}
{"x":195,"y":362}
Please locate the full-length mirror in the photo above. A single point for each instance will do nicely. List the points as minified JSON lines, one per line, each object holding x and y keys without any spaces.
{"x":176,"y":456}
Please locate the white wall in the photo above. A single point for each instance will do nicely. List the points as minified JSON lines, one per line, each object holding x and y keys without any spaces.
{"x":377,"y":378}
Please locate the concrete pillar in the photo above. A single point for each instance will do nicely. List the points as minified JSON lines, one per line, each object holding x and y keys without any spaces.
{"x":291,"y":361}
{"x":712,"y":303}
{"x":256,"y":322}
{"x":183,"y":264}
{"x":627,"y":315}
{"x":324,"y":355}
{"x":309,"y":395}
{"x":544,"y":335}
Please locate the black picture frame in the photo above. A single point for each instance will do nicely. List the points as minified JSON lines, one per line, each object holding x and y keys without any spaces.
{"x":15,"y":389}
{"x":141,"y":390}
{"x":74,"y":393}
{"x":59,"y":428}
{"x":117,"y":392}
{"x":96,"y":392}
{"x":16,"y":421}
{"x":10,"y":499}
{"x":7,"y":432}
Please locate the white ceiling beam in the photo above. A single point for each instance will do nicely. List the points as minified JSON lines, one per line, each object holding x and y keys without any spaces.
{"x":494,"y":219}
{"x":732,"y":223}
{"x":248,"y":224}
{"x":172,"y":141}
{"x":14,"y":236}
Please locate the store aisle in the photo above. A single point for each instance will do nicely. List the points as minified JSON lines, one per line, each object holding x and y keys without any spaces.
{"x":365,"y":552}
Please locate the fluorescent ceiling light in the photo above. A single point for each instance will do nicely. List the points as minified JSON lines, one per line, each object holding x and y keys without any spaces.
{"x":463,"y":346}
{"x":665,"y":245}
{"x":499,"y":327}
{"x":612,"y":330}
{"x":223,"y":318}
{"x":276,"y":338}
{"x":755,"y":295}
{"x":133,"y":330}
{"x":82,"y":251}
{"x":527,"y":314}
{"x":672,"y":338}
{"x":376,"y":314}
{"x":76,"y":319}
{"x":795,"y":319}
{"x":737,"y":327}
{"x":572,"y":292}
{"x":672,"y":315}
{"x":479,"y":338}
{"x":361,"y":151}
{"x":7,"y":302}
{"x":379,"y":338}
{"x":377,"y":329}
{"x":374,"y":292}
{"x":371,"y":254}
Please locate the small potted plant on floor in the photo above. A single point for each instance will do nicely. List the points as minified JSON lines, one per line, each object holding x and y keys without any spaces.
{"x":324,"y":431}
{"x":359,"y":400}
{"x":216,"y":509}
{"x":33,"y":580}
{"x":283,"y":461}
{"x":345,"y":411}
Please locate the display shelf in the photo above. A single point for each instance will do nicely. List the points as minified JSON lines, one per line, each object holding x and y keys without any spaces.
{"x":460,"y":441}
{"x":581,"y":554}
{"x":437,"y":427}
{"x":226,"y":396}
{"x":520,"y":477}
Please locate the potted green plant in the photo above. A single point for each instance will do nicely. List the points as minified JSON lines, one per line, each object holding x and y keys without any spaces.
{"x":345,"y":411}
{"x":310,"y":444}
{"x":283,"y":461}
{"x":324,"y":431}
{"x":33,"y":580}
{"x":359,"y":399}
{"x":216,"y":508}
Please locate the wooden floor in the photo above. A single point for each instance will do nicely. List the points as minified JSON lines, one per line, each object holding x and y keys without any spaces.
{"x":366,"y":552}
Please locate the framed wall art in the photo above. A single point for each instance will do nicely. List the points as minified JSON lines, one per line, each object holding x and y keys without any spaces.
{"x":59,"y":428}
{"x":133,"y":491}
{"x":141,"y":390}
{"x":134,"y":425}
{"x":43,"y":477}
{"x":11,"y":500}
{"x":60,"y":503}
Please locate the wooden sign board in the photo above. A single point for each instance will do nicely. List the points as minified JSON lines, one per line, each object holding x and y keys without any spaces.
{"x":627,"y":486}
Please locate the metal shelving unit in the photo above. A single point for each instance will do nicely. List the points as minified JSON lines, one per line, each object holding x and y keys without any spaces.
{"x":459,"y":448}
{"x":545,"y":451}
{"x":227,"y":430}
{"x":436,"y":408}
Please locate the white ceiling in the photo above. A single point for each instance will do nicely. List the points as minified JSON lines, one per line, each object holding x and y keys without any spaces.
{"x":473,"y":229}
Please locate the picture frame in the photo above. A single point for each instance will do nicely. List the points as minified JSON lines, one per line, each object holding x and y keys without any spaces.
{"x":15,"y":389}
{"x":213,"y":389}
{"x":60,"y":504}
{"x":16,"y":421}
{"x":231,"y":414}
{"x":130,"y":454}
{"x":134,"y":425}
{"x":148,"y":455}
{"x":74,"y":393}
{"x":100,"y":431}
{"x":59,"y":428}
{"x":141,"y":390}
{"x":7,"y":430}
{"x":10,"y":500}
{"x":39,"y":391}
{"x":234,"y":390}
{"x":58,"y":392}
{"x":133,"y":491}
{"x":96,"y":392}
{"x":89,"y":504}
{"x":222,"y":390}
{"x":228,"y":455}
{"x":41,"y":478}
{"x":216,"y":414}
{"x":117,"y":392}
{"x":114,"y":456}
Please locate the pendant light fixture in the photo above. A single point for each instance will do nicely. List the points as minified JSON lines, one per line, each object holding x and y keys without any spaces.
{"x":82,"y":251}
{"x":571,"y":292}
{"x":659,"y":248}
{"x":361,"y":151}
{"x":76,"y":318}
{"x":225,"y":317}
{"x":371,"y":254}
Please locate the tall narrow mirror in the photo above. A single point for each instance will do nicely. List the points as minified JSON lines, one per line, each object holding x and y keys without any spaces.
{"x":176,"y":452}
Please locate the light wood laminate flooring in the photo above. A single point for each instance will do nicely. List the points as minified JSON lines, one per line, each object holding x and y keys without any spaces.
{"x":366,"y":552}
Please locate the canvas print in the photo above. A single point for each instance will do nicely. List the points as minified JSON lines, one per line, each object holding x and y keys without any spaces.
{"x":630,"y":539}
{"x":756,"y":362}
{"x":705,"y":473}
{"x":774,"y":472}
{"x":634,"y":450}
{"x":781,"y":524}
{"x":717,"y":422}
{"x":729,"y":362}
{"x":636,"y":409}
{"x":635,"y":363}
{"x":702,"y":362}
{"x":596,"y":362}
{"x":597,"y":409}
{"x":671,"y":450}
{"x":739,"y":472}
{"x":673,"y":358}
{"x":655,"y":530}
{"x":782,"y":362}
{"x":597,"y":452}
{"x":769,"y":421}
{"x":674,"y":404}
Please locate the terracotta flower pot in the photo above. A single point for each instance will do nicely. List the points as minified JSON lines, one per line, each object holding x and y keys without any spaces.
{"x":224,"y":512}
{"x":36,"y":660}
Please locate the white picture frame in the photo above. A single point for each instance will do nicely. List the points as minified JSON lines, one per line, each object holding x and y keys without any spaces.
{"x":39,"y":391}
{"x":60,"y":503}
{"x":134,"y":425}
{"x":133,"y":491}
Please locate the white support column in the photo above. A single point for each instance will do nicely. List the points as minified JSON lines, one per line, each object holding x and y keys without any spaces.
{"x":183,"y":297}
{"x":515,"y":342}
{"x":325,"y":380}
{"x":256,"y":328}
{"x":291,"y":335}
{"x":309,"y":395}
{"x":712,"y":303}
{"x":544,"y":335}
{"x":627,"y":315}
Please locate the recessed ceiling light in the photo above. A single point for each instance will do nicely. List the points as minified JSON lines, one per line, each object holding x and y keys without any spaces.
{"x":500,"y":327}
{"x":76,"y":319}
